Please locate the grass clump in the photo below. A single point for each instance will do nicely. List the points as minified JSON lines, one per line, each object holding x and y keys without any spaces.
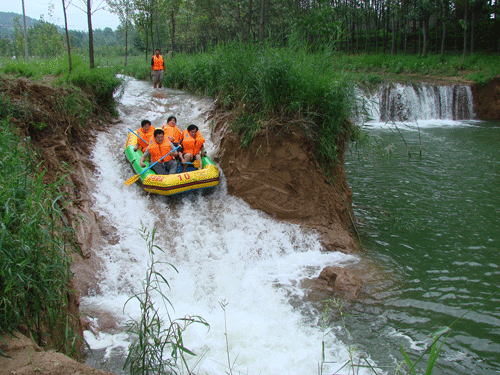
{"x":270,"y":89}
{"x":99,"y":84}
{"x":34,"y":251}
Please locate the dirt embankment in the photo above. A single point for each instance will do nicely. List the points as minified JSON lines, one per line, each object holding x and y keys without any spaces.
{"x":63,"y":142}
{"x":277,"y":175}
{"x":487,"y":100}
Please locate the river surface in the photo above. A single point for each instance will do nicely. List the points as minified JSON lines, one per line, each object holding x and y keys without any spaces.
{"x":226,"y":254}
{"x":432,"y":221}
{"x":429,"y":222}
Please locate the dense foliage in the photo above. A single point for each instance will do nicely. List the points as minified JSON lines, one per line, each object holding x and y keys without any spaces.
{"x":36,"y":241}
{"x":375,"y":26}
{"x":34,"y":251}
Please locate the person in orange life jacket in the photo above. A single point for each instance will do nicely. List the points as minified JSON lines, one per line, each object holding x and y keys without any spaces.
{"x":156,"y":150}
{"x":192,"y":145}
{"x":172,"y":132}
{"x":157,"y":68}
{"x":146,"y":132}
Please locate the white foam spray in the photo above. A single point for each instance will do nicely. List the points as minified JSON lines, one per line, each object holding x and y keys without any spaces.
{"x":223,"y":250}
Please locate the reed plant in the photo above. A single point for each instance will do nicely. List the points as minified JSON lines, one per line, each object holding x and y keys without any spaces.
{"x":35,"y":247}
{"x":158,"y":347}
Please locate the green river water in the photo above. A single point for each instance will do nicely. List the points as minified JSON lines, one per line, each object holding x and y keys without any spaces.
{"x":431,"y":225}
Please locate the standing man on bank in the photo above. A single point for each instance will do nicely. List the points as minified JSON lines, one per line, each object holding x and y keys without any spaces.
{"x":157,"y":68}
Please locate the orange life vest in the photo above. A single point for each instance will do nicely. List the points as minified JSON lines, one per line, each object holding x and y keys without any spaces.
{"x":147,"y":136}
{"x":172,"y":131}
{"x":157,"y":62}
{"x":192,"y":145}
{"x":158,"y":150}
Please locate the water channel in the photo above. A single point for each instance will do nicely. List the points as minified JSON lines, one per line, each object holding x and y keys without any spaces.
{"x":224,"y":252}
{"x":429,"y":222}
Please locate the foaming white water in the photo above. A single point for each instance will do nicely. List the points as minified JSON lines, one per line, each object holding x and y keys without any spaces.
{"x":418,"y":124}
{"x":223,"y":250}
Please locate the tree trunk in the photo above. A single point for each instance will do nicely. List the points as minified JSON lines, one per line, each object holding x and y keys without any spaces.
{"x":158,"y":31}
{"x":240,"y":22}
{"x":376,"y":28}
{"x":25,"y":36}
{"x":465,"y":31}
{"x":91,"y":35}
{"x":126,"y":41}
{"x":172,"y":36}
{"x":152,"y":34}
{"x":443,"y":38}
{"x":367,"y":30}
{"x":419,"y":45}
{"x":261,"y":20}
{"x":67,"y":38}
{"x":385,"y":26}
{"x":472,"y":32}
{"x":248,"y":28}
{"x":425,"y":36}
{"x":393,"y":44}
{"x":147,"y":41}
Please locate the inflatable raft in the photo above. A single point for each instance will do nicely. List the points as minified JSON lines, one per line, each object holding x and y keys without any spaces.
{"x":171,"y":184}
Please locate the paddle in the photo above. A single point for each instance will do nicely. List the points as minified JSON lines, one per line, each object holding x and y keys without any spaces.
{"x":134,"y":178}
{"x":137,"y":135}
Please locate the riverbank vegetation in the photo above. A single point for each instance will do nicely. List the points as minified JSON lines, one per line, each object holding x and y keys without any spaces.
{"x":35,"y":246}
{"x":99,"y":84}
{"x":37,"y":240}
{"x":270,"y":88}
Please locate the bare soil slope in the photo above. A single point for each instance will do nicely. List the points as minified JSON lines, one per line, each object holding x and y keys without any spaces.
{"x":278,"y":175}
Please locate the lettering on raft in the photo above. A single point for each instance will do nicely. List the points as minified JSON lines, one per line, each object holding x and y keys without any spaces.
{"x":186,"y":176}
{"x":156,"y":178}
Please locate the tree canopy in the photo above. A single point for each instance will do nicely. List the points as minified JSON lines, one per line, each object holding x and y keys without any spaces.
{"x":357,"y":26}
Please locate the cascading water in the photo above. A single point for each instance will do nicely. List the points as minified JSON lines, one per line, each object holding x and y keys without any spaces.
{"x":224,"y":252}
{"x":420,"y":101}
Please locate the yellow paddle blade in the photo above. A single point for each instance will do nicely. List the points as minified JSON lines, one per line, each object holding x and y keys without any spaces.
{"x":132,"y":179}
{"x":196,"y":164}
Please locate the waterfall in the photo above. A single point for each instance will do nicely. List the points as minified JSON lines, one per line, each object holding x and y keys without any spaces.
{"x":420,"y":101}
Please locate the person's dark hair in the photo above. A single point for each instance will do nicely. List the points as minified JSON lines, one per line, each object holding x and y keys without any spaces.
{"x":192,"y":127}
{"x":157,"y":50}
{"x":158,"y":131}
{"x":144,"y":122}
{"x":171,"y":117}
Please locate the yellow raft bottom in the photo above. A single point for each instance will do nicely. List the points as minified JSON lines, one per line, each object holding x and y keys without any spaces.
{"x":177,"y":183}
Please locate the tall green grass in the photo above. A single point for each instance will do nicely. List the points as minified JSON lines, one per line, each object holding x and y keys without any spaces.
{"x":99,"y":83}
{"x":34,"y":248}
{"x":271,"y":89}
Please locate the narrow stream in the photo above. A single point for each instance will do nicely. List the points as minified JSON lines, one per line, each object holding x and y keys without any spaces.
{"x":225,"y":253}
